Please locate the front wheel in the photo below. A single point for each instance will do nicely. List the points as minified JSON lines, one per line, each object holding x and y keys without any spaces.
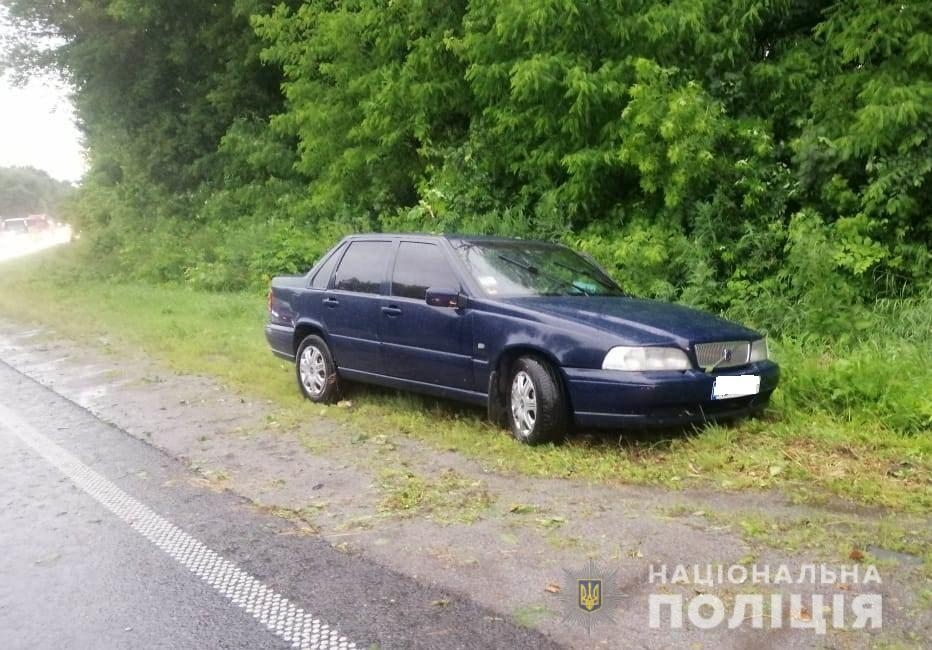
{"x":537,"y":409}
{"x":316,"y":372}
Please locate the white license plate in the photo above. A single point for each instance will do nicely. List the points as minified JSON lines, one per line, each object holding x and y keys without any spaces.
{"x":735,"y":386}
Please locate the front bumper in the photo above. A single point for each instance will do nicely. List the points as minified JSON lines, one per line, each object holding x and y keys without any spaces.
{"x":612,"y":398}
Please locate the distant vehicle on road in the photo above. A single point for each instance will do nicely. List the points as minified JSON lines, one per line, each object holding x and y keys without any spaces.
{"x":17,"y":226}
{"x":38,"y":222}
{"x":537,"y":333}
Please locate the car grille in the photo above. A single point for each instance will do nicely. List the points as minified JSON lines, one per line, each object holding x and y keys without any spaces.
{"x":723,"y":354}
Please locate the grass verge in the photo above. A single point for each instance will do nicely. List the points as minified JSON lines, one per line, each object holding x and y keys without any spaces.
{"x":809,"y":451}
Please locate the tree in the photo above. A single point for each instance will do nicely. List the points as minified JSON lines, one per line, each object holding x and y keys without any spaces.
{"x":722,"y":152}
{"x":25,"y":190}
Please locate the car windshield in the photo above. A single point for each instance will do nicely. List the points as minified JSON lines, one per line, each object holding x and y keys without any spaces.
{"x":509,"y":269}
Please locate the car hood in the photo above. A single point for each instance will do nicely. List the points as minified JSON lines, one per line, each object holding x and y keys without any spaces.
{"x":642,"y":322}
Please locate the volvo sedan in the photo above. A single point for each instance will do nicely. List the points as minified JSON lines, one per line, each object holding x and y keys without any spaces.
{"x":533,"y":331}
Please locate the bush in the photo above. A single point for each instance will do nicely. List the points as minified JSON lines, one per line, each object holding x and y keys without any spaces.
{"x":881,"y":375}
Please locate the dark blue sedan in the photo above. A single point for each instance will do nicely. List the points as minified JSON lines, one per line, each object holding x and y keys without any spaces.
{"x":537,"y":333}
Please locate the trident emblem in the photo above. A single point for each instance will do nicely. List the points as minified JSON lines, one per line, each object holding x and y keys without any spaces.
{"x":590,"y":594}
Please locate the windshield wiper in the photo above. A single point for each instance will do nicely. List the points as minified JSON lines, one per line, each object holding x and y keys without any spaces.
{"x":536,"y":271}
{"x":607,"y":285}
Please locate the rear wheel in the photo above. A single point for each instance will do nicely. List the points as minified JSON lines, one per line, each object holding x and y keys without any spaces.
{"x":316,"y":372}
{"x":537,"y":409}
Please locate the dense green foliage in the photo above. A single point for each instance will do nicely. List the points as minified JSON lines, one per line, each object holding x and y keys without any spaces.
{"x":766,"y":158}
{"x":702,"y":149}
{"x":25,"y":191}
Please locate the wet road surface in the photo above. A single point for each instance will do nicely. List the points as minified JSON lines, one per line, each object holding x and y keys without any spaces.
{"x":106,"y":542}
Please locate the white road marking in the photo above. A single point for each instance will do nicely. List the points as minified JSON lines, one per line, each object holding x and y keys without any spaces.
{"x":277,"y":613}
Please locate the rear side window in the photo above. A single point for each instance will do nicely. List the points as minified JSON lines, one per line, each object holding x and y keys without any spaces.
{"x":419,"y":266}
{"x":322,"y":277}
{"x":363,"y":266}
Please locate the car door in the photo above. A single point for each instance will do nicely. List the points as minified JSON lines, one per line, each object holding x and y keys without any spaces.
{"x":351,"y":306}
{"x":420,"y":342}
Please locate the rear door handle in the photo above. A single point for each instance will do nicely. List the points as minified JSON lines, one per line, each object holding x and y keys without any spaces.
{"x":331,"y":302}
{"x":391,"y":311}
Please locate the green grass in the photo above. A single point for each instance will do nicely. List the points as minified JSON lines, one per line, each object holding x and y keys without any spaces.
{"x":838,"y":538}
{"x":532,"y":615}
{"x":449,"y":497}
{"x":813,"y":449}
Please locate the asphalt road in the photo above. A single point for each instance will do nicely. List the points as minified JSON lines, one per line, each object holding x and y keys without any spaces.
{"x":105,"y":542}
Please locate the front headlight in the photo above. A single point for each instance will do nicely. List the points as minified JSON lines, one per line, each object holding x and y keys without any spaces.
{"x":759,"y":351}
{"x":630,"y":358}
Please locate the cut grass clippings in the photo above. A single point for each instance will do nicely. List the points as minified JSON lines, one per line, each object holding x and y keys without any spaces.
{"x":450,"y":497}
{"x":812,"y":455}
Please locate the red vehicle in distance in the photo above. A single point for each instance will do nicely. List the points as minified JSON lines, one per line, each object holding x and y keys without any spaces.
{"x":38,"y":223}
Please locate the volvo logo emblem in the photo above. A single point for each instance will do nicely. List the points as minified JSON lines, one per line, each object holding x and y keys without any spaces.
{"x":726,"y":356}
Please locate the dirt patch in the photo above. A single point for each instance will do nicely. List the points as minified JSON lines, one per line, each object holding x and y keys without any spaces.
{"x":503,"y":540}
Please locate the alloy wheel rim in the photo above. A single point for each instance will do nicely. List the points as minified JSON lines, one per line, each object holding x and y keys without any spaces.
{"x":523,"y":404}
{"x":313,"y":371}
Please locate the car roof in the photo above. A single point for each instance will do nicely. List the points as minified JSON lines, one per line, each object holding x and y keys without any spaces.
{"x":392,"y":235}
{"x":452,"y":238}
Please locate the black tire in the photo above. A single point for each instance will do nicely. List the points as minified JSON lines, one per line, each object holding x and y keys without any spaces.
{"x":322,"y":383}
{"x":497,"y":405}
{"x":536,"y":382}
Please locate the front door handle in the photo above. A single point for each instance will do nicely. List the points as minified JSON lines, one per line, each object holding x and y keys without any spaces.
{"x":392,"y":311}
{"x":331,"y":302}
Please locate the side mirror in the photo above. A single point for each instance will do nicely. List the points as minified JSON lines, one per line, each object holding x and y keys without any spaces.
{"x":445,"y":298}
